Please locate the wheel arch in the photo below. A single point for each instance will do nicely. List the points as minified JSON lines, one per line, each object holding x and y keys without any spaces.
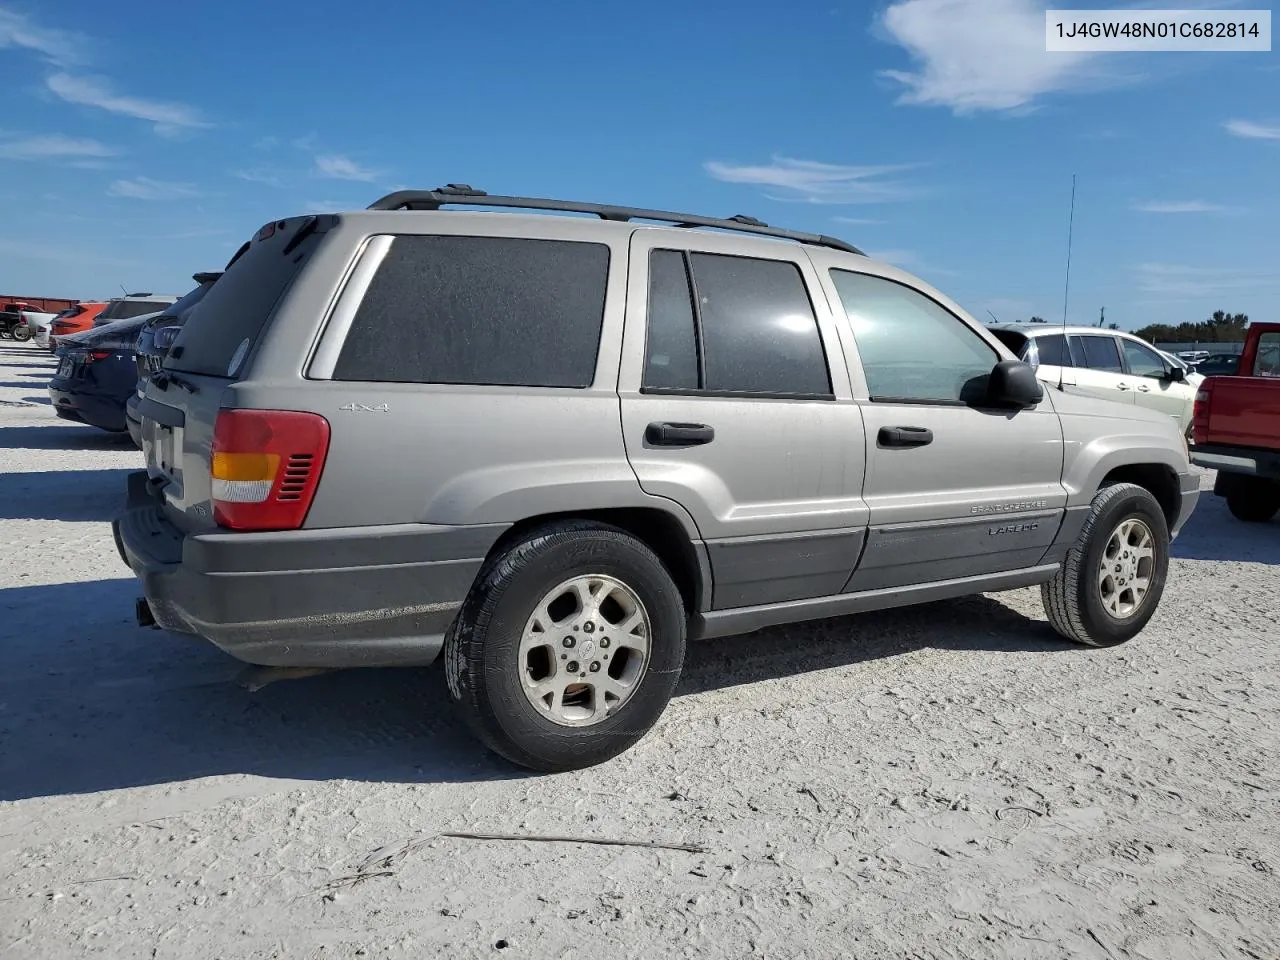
{"x":1158,"y":479}
{"x":660,"y":530}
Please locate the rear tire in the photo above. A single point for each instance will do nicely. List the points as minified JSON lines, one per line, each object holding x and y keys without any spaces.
{"x":1256,"y":502}
{"x":1113,"y":577}
{"x":532,"y":656}
{"x":22,"y":334}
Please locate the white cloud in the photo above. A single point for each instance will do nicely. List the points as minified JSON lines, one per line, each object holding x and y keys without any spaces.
{"x":815,"y":182}
{"x":53,"y":147}
{"x":1253,"y":131}
{"x":337,"y":167}
{"x":860,"y":221}
{"x":976,"y":55}
{"x":1179,"y":206}
{"x":19,"y":31}
{"x":1180,"y":280}
{"x":169,"y":118}
{"x":261,"y":175}
{"x":144,"y":188}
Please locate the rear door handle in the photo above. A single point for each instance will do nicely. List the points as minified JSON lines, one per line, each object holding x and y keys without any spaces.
{"x":905,"y":437}
{"x":678,"y":434}
{"x":1144,"y":388}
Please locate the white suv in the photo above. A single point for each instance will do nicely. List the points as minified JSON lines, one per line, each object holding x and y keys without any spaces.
{"x":1105,"y":363}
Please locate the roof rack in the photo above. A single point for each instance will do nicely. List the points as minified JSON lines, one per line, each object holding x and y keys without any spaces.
{"x":463,"y":194}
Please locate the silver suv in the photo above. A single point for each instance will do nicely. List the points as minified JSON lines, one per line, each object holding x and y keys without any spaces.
{"x":556,"y":448}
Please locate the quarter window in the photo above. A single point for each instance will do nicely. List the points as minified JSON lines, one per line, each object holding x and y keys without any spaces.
{"x":910,"y":346}
{"x":732,"y":325}
{"x":480,"y":310}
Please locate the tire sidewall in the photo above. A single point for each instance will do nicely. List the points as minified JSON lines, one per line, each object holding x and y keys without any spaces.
{"x":495,"y":676}
{"x":1105,"y":630}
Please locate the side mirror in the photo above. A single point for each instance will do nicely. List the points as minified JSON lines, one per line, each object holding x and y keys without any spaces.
{"x":1176,"y":375}
{"x":1014,"y":384}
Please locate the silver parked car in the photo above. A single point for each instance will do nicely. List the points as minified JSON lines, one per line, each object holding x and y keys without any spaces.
{"x":556,"y":448}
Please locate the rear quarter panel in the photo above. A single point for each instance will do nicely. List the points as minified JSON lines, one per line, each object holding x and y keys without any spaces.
{"x":438,"y":453}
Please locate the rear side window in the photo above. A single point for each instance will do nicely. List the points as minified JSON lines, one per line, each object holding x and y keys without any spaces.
{"x":492,"y":311}
{"x":1053,"y":350}
{"x":1100,"y":353}
{"x":225,"y":325}
{"x":1268,"y":362}
{"x":732,"y":325}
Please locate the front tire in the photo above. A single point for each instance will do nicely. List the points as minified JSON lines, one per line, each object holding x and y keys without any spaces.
{"x":1113,"y":577}
{"x":22,"y":334}
{"x":568,"y":648}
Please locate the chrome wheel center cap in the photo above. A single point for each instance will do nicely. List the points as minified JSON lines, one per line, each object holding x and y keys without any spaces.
{"x":586,"y":648}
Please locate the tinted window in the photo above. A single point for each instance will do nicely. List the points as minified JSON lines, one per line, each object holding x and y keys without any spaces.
{"x":1100,"y":353}
{"x":479,"y":310}
{"x":1268,"y":361}
{"x":1143,"y":361}
{"x":126,"y":309}
{"x":1053,"y":350}
{"x":911,"y":348}
{"x":759,"y":333}
{"x":671,"y":359}
{"x":235,"y":309}
{"x":1015,"y":341}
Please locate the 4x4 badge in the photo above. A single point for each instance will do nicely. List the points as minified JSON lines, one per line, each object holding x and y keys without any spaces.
{"x":365,"y":408}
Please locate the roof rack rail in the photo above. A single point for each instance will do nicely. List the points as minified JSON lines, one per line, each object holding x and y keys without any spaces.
{"x":465,"y":195}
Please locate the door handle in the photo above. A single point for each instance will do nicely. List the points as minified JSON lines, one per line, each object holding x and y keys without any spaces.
{"x":1144,"y":388}
{"x":1122,"y":386}
{"x":905,"y":437}
{"x":678,"y":434}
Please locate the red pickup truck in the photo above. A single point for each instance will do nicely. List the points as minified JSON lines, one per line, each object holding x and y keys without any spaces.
{"x":1236,"y":428}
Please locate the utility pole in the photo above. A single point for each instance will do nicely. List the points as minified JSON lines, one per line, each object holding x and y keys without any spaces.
{"x":1102,"y":316}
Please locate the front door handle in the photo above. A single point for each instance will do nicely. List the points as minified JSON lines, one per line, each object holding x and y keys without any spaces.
{"x":678,"y":434}
{"x":905,"y":436}
{"x":1122,"y":386}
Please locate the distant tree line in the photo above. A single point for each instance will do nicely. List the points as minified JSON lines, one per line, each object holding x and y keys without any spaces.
{"x":1222,"y":327}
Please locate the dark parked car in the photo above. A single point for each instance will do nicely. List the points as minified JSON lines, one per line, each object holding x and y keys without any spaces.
{"x":1218,"y":365}
{"x":154,"y":340}
{"x":96,"y":374}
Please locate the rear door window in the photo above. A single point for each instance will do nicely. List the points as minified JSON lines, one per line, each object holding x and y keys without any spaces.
{"x":217,"y":337}
{"x":1053,"y":350}
{"x":492,"y":311}
{"x":1143,"y":361}
{"x":1100,"y":353}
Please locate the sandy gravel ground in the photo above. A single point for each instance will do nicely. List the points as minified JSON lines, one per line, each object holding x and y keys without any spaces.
{"x":947,"y":781}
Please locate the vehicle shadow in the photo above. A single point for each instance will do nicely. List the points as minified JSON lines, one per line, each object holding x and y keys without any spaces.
{"x":1213,"y":533}
{"x":17,"y":384}
{"x":68,"y":495}
{"x":93,"y":702}
{"x":60,"y":435}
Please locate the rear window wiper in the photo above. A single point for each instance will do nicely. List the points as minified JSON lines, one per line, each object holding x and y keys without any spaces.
{"x":162,"y":379}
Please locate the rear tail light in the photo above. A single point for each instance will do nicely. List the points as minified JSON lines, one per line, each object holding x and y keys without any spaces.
{"x":265,"y":466}
{"x":93,"y":355}
{"x":1200,"y":412}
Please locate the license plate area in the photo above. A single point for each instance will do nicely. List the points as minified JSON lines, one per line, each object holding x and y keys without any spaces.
{"x":64,"y":367}
{"x":163,"y":448}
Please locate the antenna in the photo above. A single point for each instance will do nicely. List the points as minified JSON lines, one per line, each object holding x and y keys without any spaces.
{"x":123,"y":290}
{"x":993,"y":316}
{"x":1066,"y":289}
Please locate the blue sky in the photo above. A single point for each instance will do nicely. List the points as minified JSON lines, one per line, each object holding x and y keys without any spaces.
{"x":141,"y":142}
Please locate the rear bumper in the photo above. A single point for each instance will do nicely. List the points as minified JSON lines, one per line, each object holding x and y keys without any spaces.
{"x":1256,"y":463}
{"x":96,"y":409}
{"x":350,"y":597}
{"x":132,"y":421}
